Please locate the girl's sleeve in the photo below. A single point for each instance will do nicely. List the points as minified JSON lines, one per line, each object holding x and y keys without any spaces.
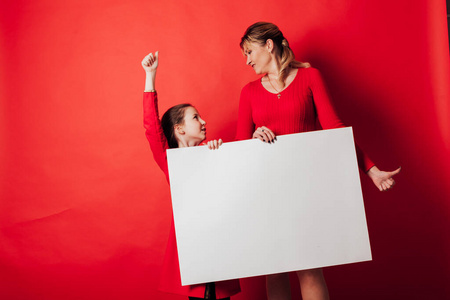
{"x":245,"y":125}
{"x":327,"y":115}
{"x":154,"y":132}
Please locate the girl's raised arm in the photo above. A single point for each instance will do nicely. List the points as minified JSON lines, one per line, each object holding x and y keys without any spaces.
{"x":153,"y":130}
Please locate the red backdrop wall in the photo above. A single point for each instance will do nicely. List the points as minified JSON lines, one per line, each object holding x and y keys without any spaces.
{"x":85,"y":211}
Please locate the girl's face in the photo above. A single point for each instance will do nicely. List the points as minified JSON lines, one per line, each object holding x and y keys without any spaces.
{"x":194,"y":127}
{"x":258,"y":57}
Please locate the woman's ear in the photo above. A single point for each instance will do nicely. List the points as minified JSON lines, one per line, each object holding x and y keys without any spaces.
{"x":269,"y":45}
{"x":179,"y":129}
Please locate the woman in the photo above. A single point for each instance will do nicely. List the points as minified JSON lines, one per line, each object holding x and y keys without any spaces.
{"x":181,"y":126}
{"x":290,"y":97}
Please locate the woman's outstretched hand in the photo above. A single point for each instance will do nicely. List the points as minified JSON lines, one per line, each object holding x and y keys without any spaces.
{"x":383,"y":180}
{"x":264,"y":134}
{"x":150,"y":62}
{"x":214,"y":144}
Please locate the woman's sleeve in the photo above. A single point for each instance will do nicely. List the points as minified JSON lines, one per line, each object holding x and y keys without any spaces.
{"x":245,"y":125}
{"x":327,"y":115}
{"x":154,"y":132}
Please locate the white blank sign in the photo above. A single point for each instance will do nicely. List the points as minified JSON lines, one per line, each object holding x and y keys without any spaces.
{"x":252,"y":208}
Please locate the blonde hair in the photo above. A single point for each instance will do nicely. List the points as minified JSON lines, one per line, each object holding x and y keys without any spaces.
{"x":260,"y":32}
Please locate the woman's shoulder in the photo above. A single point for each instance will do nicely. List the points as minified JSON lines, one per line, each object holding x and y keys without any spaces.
{"x":308,"y":70}
{"x":252,"y":85}
{"x":309,"y":74}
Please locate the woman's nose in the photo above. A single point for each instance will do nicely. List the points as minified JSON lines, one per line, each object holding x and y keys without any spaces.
{"x":248,"y":60}
{"x":203,"y":122}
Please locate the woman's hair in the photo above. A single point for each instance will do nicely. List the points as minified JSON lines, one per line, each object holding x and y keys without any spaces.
{"x":173,"y":116}
{"x":260,"y":32}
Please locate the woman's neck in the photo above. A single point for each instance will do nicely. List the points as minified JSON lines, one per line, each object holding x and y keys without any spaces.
{"x":271,"y":81}
{"x":274,"y":70}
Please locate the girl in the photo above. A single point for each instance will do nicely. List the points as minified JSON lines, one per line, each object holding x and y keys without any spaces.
{"x":180,"y":126}
{"x":290,"y":97}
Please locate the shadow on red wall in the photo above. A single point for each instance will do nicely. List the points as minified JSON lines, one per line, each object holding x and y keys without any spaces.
{"x":85,"y":211}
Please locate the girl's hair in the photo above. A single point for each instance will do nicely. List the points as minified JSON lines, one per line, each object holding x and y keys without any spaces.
{"x":260,"y":32}
{"x":172,"y":117}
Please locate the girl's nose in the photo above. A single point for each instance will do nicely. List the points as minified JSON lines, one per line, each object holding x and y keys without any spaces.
{"x":203,"y":122}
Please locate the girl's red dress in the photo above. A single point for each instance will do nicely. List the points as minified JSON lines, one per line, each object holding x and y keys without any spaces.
{"x":170,"y":276}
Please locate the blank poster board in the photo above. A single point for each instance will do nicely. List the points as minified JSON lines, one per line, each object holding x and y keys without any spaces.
{"x":252,"y":208}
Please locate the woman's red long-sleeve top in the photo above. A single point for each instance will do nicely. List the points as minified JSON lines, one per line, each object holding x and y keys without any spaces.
{"x":170,"y":276}
{"x":303,"y":105}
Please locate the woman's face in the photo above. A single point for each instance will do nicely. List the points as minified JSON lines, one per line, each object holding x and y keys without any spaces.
{"x":194,"y":126}
{"x":258,"y":57}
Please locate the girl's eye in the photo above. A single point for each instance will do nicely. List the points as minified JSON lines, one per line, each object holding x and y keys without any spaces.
{"x":195,"y":117}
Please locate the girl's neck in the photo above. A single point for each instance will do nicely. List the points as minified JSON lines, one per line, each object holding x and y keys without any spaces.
{"x":183,"y":144}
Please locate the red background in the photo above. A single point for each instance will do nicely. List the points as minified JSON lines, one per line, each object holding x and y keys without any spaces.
{"x":84,"y":209}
